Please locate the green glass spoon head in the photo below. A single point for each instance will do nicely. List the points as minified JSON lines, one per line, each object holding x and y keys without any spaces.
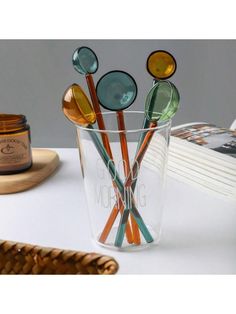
{"x":116,"y":90}
{"x":162,"y":101}
{"x":85,"y":61}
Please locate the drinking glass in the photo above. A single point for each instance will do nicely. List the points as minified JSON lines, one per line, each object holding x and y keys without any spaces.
{"x":148,"y":192}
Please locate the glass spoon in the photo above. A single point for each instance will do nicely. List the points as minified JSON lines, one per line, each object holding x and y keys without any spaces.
{"x":116,"y":91}
{"x":85,"y":62}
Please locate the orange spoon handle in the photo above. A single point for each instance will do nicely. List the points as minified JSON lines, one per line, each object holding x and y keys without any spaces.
{"x":110,"y":222}
{"x":119,"y":204}
{"x":132,"y":177}
{"x":127,"y":168}
{"x":100,"y":121}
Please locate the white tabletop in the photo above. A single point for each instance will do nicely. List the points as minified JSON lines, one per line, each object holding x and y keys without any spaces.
{"x":198,"y":234}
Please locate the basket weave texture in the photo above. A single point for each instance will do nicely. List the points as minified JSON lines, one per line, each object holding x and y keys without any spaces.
{"x":21,"y":258}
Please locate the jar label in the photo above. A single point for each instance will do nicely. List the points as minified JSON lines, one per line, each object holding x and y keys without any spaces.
{"x":15,"y":150}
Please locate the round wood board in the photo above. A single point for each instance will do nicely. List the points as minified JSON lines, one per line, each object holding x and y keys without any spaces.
{"x":45,"y":162}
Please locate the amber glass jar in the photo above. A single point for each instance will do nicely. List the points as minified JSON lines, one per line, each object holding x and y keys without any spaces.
{"x":15,"y":148}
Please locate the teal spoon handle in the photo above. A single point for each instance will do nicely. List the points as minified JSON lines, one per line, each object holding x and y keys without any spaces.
{"x":122,"y":227}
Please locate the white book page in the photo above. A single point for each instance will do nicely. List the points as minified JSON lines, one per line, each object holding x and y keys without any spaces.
{"x":196,"y":164}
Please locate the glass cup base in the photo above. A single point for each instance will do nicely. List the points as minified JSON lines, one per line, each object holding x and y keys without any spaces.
{"x":126,"y":247}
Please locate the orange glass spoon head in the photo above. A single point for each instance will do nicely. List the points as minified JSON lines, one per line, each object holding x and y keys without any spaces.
{"x":77,"y":107}
{"x":161,"y":64}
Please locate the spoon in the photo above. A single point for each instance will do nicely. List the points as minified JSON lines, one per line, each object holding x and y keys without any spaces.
{"x":85,"y":62}
{"x":162,"y":102}
{"x":70,"y":99}
{"x":116,"y":91}
{"x":81,"y":115}
{"x":163,"y":96}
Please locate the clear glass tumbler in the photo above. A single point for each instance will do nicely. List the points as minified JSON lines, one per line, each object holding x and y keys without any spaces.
{"x":125,"y":193}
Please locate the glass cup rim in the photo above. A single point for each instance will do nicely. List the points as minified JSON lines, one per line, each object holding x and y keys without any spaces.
{"x":164,"y":125}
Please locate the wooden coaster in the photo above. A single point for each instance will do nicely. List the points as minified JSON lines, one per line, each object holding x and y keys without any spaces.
{"x":45,"y":163}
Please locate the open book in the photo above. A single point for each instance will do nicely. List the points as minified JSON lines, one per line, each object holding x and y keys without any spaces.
{"x":204,"y":155}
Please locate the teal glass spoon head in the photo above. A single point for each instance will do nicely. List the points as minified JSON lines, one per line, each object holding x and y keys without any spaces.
{"x":85,"y":61}
{"x":162,"y":101}
{"x":116,"y":90}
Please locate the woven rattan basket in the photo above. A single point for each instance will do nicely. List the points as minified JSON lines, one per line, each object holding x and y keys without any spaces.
{"x":21,"y":258}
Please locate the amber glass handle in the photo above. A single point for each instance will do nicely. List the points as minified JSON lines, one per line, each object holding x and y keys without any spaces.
{"x":139,"y":157}
{"x":100,"y":121}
